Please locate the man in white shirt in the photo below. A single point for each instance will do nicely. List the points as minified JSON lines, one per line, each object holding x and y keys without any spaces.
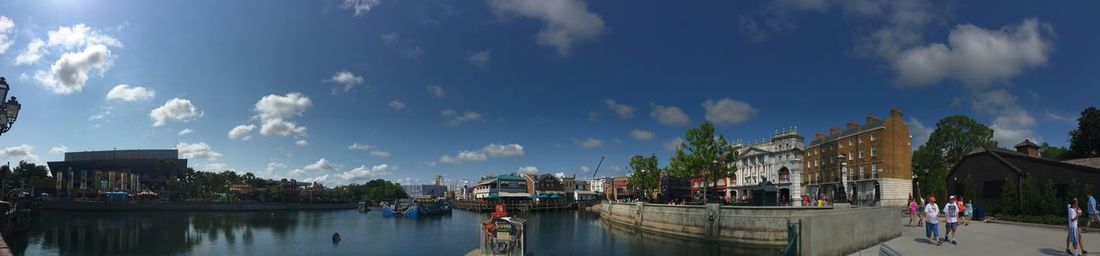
{"x":951,"y":211}
{"x":931,"y":229}
{"x":1073,"y":213}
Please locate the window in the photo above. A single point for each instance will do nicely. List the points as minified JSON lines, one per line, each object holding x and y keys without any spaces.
{"x":849,"y":142}
{"x":861,"y":153}
{"x":872,"y":137}
{"x":860,"y":139}
{"x":874,"y":171}
{"x":873,"y":151}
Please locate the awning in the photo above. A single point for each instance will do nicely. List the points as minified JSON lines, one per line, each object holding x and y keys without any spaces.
{"x":584,"y":192}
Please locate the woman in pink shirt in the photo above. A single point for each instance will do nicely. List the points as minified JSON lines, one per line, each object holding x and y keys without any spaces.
{"x":912,"y":211}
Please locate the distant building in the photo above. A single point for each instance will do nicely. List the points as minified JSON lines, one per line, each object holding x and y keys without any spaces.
{"x":502,"y":186}
{"x":620,"y":188}
{"x":425,"y":191}
{"x":991,"y":168}
{"x":674,"y":189}
{"x":777,"y":159}
{"x":875,"y":155}
{"x":117,"y":170}
{"x":598,"y":184}
{"x":545,"y":185}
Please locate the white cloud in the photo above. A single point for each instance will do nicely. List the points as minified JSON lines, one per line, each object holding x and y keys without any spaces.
{"x":1011,"y":123}
{"x":673,"y":144}
{"x":358,"y":146}
{"x":301,"y":143}
{"x":319,"y":179}
{"x":622,"y":110}
{"x":58,"y":150}
{"x":413,"y":52}
{"x":346,"y":78}
{"x":272,"y":166}
{"x":380,"y":153}
{"x":322,"y":165}
{"x":176,"y":109}
{"x":124,"y":92}
{"x":390,"y":38}
{"x":184,"y":132}
{"x":590,"y":143}
{"x":22,"y":152}
{"x":455,"y":119}
{"x":32,"y":53}
{"x":976,"y":56}
{"x":585,"y":169}
{"x":527,"y":170}
{"x":101,"y":115}
{"x":670,"y":116}
{"x":282,"y":128}
{"x":70,"y":71}
{"x":919,"y":131}
{"x":215,"y":167}
{"x":559,"y":174}
{"x":197,"y":151}
{"x":503,"y":150}
{"x":437,"y":91}
{"x":479,"y":59}
{"x":79,"y":35}
{"x":566,"y":22}
{"x":6,"y":27}
{"x":728,"y":111}
{"x":274,"y":112}
{"x":363,"y":173}
{"x":397,"y":105}
{"x":464,"y":156}
{"x":361,"y":7}
{"x":639,"y":134}
{"x":241,"y":132}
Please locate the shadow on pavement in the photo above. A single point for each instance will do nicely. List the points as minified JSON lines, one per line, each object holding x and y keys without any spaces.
{"x":1048,"y":251}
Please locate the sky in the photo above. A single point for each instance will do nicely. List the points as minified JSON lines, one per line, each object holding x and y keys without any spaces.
{"x":348,"y":91}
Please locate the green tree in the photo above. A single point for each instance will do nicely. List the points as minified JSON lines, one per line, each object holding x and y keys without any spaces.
{"x":968,"y":188}
{"x":1053,"y":152}
{"x":1085,"y":140}
{"x":1010,"y":204}
{"x":703,"y":154}
{"x":954,"y":137}
{"x":646,"y":175}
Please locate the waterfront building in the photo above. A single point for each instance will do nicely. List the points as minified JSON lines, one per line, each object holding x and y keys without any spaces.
{"x":502,"y":186}
{"x":990,"y":168}
{"x":545,"y":185}
{"x":116,"y":170}
{"x":777,"y":159}
{"x":598,"y":184}
{"x":875,"y":158}
{"x":424,"y":191}
{"x":619,"y":189}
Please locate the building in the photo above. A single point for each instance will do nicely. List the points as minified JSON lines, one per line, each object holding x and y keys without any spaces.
{"x":116,"y":170}
{"x":619,"y":189}
{"x":424,"y":191}
{"x":674,"y":189}
{"x":875,"y":158}
{"x":503,"y":186}
{"x":545,"y":185}
{"x":991,"y":168}
{"x":777,"y":159}
{"x":599,"y":183}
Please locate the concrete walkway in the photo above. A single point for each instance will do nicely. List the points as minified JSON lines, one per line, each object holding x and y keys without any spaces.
{"x":981,"y":238}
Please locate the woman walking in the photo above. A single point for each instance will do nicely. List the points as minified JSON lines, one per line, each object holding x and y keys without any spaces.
{"x":912,"y":212}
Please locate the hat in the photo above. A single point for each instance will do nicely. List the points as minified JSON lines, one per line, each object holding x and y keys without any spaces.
{"x":952,"y":197}
{"x":932,"y":199}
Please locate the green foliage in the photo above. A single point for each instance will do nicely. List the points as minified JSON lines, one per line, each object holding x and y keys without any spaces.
{"x":378,"y":190}
{"x":702,"y":152}
{"x":646,"y":175}
{"x":968,"y":188}
{"x":954,"y":137}
{"x":1040,"y":219}
{"x":1009,"y":202}
{"x":1085,"y":140}
{"x":1053,"y":152}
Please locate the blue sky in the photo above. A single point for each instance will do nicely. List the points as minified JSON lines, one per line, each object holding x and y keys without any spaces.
{"x":346,"y":91}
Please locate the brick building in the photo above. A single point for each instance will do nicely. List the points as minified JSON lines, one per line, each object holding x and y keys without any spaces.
{"x":875,"y":158}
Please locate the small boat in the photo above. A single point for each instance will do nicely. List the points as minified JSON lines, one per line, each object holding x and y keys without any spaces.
{"x":435,"y":208}
{"x":401,"y":208}
{"x":503,"y":235}
{"x":363,"y":206}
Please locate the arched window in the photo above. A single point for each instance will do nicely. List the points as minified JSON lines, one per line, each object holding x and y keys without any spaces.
{"x":784,"y":175}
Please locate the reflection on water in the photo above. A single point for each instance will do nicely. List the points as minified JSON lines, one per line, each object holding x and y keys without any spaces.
{"x":309,"y":233}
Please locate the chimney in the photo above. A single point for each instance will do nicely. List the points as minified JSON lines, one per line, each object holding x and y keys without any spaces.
{"x":834,"y":131}
{"x":819,"y":136}
{"x":872,"y":119}
{"x":895,"y":113}
{"x":1029,"y":148}
{"x":852,"y":126}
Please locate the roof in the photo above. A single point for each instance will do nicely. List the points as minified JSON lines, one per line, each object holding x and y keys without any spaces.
{"x":845,"y":132}
{"x":1002,"y":154}
{"x":1089,"y":162}
{"x":1027,"y":143}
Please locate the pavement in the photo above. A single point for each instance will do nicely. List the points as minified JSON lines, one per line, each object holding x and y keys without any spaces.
{"x":980,"y":238}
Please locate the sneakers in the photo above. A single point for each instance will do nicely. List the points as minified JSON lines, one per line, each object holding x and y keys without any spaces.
{"x":955,"y":242}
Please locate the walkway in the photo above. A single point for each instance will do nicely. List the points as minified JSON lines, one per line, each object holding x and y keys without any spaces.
{"x":990,"y":239}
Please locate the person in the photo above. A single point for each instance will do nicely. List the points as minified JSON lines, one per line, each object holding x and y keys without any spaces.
{"x":920,"y":212}
{"x":951,"y":212}
{"x":1094,"y":215}
{"x":1071,"y":238}
{"x":962,"y":211}
{"x":931,"y":230}
{"x":912,"y":212}
{"x":820,"y":202}
{"x":969,"y":210}
{"x":1080,"y":239}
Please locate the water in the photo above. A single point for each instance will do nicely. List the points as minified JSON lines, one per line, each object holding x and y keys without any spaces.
{"x":310,"y":233}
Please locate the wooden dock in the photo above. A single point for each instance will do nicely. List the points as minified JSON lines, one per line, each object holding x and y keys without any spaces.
{"x":523,"y":205}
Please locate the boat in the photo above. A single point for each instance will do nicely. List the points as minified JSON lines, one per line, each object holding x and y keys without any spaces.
{"x":363,"y":206}
{"x":503,"y":235}
{"x":401,"y":208}
{"x":435,"y":208}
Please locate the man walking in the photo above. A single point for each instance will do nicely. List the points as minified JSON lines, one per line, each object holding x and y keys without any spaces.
{"x":1072,"y":238}
{"x":951,"y":211}
{"x":931,"y":214}
{"x":1094,"y":215}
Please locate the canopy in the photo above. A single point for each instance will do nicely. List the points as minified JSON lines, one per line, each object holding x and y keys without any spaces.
{"x":554,"y":196}
{"x":492,"y":196}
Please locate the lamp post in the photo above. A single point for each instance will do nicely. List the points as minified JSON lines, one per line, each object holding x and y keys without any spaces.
{"x":843,"y":177}
{"x":9,"y":109}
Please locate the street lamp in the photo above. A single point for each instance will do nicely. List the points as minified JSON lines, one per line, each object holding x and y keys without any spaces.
{"x":8,"y":110}
{"x":843,"y":176}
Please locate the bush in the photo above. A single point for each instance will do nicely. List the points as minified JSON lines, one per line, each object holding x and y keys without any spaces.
{"x":1038,"y":219}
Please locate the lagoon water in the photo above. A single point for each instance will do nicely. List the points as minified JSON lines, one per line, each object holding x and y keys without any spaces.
{"x":310,"y":233}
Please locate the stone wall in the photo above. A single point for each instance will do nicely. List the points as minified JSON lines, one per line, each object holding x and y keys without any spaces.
{"x":822,"y":227}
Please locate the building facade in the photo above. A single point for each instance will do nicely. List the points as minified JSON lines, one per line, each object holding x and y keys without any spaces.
{"x":777,"y":159}
{"x":424,"y":191}
{"x":989,"y":169}
{"x":871,"y":162}
{"x":502,"y":186}
{"x":116,"y":170}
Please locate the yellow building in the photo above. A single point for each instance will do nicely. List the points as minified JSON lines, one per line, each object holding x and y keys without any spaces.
{"x":875,"y":156}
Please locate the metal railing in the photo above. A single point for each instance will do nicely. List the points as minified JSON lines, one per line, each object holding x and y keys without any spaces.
{"x":794,"y":237}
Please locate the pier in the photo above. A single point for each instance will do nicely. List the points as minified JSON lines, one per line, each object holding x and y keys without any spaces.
{"x":523,"y":205}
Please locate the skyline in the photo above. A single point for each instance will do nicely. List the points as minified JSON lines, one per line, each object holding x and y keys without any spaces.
{"x":347,"y":91}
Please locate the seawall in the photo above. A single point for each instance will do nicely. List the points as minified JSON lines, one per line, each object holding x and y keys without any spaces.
{"x":189,"y":206}
{"x":825,"y":231}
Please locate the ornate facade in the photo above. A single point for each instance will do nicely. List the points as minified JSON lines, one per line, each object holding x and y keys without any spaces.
{"x":777,"y":159}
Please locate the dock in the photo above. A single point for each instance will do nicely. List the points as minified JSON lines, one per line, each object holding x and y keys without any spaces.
{"x":523,"y":205}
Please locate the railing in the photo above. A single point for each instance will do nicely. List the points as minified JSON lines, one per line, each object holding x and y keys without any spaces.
{"x":794,"y":236}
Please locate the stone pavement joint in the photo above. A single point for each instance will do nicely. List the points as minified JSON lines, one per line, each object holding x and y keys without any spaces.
{"x":981,"y":238}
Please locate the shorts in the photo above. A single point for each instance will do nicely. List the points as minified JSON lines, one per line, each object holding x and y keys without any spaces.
{"x":1094,"y":217}
{"x":931,"y":230}
{"x":951,"y":227}
{"x":1072,"y":236}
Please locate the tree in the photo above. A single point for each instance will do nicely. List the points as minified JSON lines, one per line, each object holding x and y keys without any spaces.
{"x":1053,"y":152}
{"x":1009,"y":200}
{"x":1085,"y":140}
{"x":646,"y":175}
{"x":955,"y":137}
{"x":968,"y":188}
{"x":703,"y":154}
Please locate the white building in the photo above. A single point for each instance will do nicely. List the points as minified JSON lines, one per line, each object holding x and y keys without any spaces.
{"x":597,"y":184}
{"x":777,"y":159}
